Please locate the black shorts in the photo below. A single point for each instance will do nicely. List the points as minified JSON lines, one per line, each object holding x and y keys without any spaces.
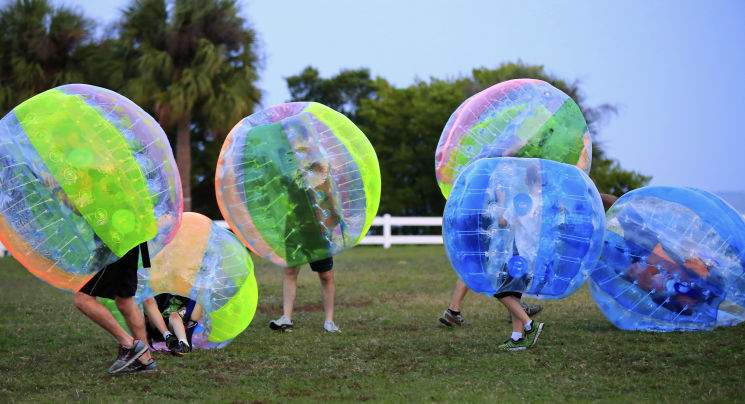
{"x":323,"y":265}
{"x":505,"y":294}
{"x":118,"y":279}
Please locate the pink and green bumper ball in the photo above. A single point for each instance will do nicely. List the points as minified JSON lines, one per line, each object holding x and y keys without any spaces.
{"x":515,"y":118}
{"x":210,"y":266}
{"x":85,"y":176}
{"x":298,"y":182}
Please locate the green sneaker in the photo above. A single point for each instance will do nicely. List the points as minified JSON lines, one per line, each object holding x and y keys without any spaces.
{"x":519,"y":345}
{"x":534,"y":333}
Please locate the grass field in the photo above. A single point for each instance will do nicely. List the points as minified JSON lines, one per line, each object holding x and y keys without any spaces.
{"x":391,"y":348}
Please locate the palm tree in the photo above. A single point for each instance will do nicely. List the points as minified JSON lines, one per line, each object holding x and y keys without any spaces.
{"x":193,"y":64}
{"x":39,"y":49}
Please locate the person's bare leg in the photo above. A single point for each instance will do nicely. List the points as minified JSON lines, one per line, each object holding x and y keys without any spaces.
{"x":153,"y":315}
{"x":196,"y":313}
{"x":176,"y":324}
{"x":328,"y":292}
{"x":459,"y":293}
{"x":608,"y":200}
{"x":289,"y":289}
{"x":519,"y":317}
{"x":100,"y":315}
{"x":135,"y":321}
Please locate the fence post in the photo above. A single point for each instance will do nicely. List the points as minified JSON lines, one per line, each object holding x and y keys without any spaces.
{"x":386,"y":231}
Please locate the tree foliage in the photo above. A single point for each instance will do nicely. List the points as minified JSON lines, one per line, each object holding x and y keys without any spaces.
{"x":40,"y":48}
{"x":404,"y":126}
{"x":343,"y":93}
{"x":193,"y":64}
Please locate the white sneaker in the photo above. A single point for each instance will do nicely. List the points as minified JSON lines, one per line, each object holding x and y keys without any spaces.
{"x":281,"y":324}
{"x":329,"y":326}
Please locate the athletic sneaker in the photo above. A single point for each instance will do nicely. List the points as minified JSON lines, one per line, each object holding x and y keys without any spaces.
{"x":127,"y":356}
{"x":281,"y":324}
{"x":329,"y":326}
{"x":530,"y":309}
{"x":182,"y":348}
{"x":534,"y":333}
{"x":450,"y":317}
{"x":519,"y":345}
{"x":172,"y":344}
{"x":139,"y":367}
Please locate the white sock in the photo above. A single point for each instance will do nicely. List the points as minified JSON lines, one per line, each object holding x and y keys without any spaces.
{"x":516,"y":335}
{"x":166,"y":334}
{"x":184,"y":341}
{"x":529,"y":325}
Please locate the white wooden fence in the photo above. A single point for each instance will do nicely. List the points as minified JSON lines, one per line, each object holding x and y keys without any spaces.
{"x":388,"y":222}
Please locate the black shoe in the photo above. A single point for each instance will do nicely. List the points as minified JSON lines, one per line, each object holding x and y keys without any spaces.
{"x":139,"y":367}
{"x":127,"y":356}
{"x":172,"y":344}
{"x":183,"y":348}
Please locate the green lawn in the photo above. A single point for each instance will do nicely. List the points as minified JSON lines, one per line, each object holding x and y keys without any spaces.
{"x":391,"y":347}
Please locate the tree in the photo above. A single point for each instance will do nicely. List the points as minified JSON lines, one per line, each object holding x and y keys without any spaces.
{"x":342,"y":92}
{"x":404,"y":126}
{"x":39,"y":49}
{"x":610,"y":177}
{"x":193,"y":64}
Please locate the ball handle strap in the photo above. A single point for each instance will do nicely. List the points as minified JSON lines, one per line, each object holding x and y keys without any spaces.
{"x":145,"y":254}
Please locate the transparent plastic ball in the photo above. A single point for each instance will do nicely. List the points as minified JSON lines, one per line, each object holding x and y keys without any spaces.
{"x":673,"y":260}
{"x":298,"y":182}
{"x":515,"y":118}
{"x":209,"y":265}
{"x":523,"y":225}
{"x":85,"y":176}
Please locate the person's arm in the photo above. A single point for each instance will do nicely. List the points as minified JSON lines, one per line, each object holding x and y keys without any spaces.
{"x":153,"y":315}
{"x":608,"y":200}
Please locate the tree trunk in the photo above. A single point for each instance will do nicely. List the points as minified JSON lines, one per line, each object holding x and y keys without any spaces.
{"x":183,"y":159}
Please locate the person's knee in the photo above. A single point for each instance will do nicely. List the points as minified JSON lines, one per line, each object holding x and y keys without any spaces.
{"x":326,"y":277}
{"x":125,"y":304}
{"x":291,"y":272}
{"x":81,"y":300}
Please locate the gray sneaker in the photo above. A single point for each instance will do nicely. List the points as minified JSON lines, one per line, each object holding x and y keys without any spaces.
{"x":329,"y":326}
{"x":127,"y":356}
{"x":139,"y":367}
{"x":530,"y":309}
{"x":450,"y":318}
